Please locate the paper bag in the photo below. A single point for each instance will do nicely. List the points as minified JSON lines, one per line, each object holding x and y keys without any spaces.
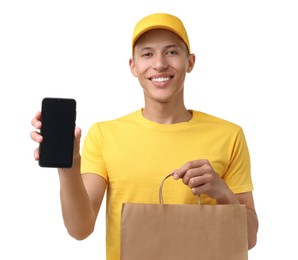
{"x":183,"y":231}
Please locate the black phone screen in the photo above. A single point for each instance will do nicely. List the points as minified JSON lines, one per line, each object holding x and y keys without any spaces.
{"x":58,"y":116}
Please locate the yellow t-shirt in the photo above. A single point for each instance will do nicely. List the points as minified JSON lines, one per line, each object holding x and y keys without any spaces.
{"x":134,"y":155}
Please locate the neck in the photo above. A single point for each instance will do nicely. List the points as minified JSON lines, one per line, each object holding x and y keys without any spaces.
{"x":167,"y":115}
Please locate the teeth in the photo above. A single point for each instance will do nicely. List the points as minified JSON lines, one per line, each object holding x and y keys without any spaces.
{"x":160,"y":79}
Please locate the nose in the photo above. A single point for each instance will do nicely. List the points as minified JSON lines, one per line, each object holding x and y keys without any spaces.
{"x":160,"y":62}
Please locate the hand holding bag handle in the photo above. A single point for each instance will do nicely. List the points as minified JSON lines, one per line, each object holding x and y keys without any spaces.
{"x":161,"y":188}
{"x":183,"y":231}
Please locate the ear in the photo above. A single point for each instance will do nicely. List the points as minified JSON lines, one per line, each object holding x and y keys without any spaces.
{"x":132,"y":66}
{"x":191,"y":62}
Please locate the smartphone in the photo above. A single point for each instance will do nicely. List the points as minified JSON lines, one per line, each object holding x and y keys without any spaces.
{"x":58,"y":117}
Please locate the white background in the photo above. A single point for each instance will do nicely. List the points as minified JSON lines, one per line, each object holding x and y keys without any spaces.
{"x":246,"y":72}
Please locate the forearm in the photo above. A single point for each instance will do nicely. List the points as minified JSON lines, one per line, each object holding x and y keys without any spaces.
{"x":252,"y":219}
{"x":78,"y":213}
{"x":252,"y":227}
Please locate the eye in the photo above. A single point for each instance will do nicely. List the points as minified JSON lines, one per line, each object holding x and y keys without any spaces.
{"x":147,"y":54}
{"x":172,"y":52}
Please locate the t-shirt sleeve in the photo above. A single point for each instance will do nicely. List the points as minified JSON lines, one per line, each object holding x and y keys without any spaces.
{"x":92,"y":153}
{"x":238,"y":173}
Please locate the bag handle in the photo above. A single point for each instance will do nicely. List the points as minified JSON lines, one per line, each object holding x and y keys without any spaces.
{"x":161,"y":187}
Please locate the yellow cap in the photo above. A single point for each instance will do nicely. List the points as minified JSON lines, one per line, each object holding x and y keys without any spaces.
{"x":160,"y":21}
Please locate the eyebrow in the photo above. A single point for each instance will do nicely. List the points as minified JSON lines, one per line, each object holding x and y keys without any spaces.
{"x":165,"y":47}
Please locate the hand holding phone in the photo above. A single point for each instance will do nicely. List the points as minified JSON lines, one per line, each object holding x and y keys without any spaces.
{"x":58,"y":116}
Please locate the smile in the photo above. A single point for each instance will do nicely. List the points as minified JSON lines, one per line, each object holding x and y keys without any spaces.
{"x":162,"y":79}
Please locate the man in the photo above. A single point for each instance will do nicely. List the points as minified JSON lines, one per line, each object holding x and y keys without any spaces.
{"x":129,"y":156}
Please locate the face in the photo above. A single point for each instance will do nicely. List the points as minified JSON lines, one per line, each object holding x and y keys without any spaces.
{"x":160,"y":63}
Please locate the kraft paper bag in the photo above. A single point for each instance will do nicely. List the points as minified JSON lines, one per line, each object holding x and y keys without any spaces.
{"x":183,"y":231}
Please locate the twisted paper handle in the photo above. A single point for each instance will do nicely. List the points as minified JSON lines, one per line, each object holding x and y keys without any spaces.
{"x":161,"y":188}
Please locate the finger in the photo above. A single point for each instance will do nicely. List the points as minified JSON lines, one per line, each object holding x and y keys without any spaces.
{"x":36,"y":121}
{"x":198,"y":181}
{"x":35,"y":136}
{"x":202,"y":189}
{"x":180,"y":173}
{"x":77,"y":134}
{"x":36,"y":154}
{"x":204,"y":170}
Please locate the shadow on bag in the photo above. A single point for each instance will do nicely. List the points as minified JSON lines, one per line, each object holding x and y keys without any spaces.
{"x":183,"y":231}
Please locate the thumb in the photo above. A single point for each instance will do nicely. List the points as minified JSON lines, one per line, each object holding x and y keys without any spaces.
{"x":175,"y":174}
{"x":78,"y":134}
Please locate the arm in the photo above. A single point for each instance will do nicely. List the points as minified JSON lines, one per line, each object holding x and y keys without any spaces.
{"x":252,"y":218}
{"x":201,"y":178}
{"x":81,"y":195}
